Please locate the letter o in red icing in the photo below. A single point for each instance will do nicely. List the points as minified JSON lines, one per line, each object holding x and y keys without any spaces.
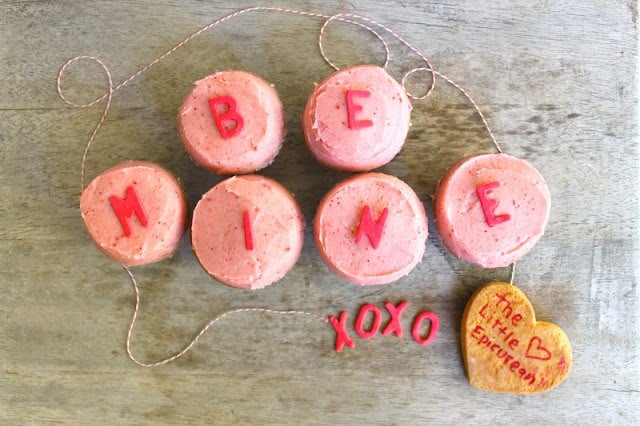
{"x":375,"y":324}
{"x":512,"y":220}
{"x":146,"y":217}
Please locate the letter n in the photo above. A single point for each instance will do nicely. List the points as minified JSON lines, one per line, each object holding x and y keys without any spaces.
{"x":370,"y":228}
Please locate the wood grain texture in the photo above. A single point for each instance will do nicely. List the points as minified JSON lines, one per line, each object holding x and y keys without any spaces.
{"x":558,"y":81}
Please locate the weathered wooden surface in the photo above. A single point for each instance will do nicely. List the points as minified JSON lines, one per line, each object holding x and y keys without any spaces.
{"x":558,"y":81}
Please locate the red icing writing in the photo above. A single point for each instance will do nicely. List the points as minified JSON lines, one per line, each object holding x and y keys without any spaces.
{"x":225,"y":113}
{"x":353,"y":109}
{"x":248,"y":235}
{"x":342,"y":337}
{"x":535,"y":350}
{"x":497,"y":325}
{"x":497,"y":332}
{"x":489,"y":204}
{"x":508,"y":359}
{"x":126,"y":207}
{"x":394,"y":326}
{"x":433,"y":330}
{"x":375,"y":325}
{"x":370,"y":228}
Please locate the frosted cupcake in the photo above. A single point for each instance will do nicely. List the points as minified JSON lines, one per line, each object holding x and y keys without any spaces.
{"x":232,"y":122}
{"x":357,"y":119}
{"x":135,"y":212}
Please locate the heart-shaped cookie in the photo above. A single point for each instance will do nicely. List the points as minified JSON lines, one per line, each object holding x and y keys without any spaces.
{"x":505,"y":349}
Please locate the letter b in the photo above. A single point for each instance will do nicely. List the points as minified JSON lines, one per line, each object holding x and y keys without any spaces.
{"x":229,"y":122}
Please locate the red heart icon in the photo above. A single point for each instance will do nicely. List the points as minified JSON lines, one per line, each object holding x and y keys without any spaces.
{"x":537,"y":352}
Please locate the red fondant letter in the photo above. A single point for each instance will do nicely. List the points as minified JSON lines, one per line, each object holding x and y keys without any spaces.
{"x":229,"y":122}
{"x":353,"y":108}
{"x":375,"y":326}
{"x":342,"y":337}
{"x":370,"y":228}
{"x":489,"y":205}
{"x":394,"y":326}
{"x":126,"y":207}
{"x":248,"y":236}
{"x":433,"y":330}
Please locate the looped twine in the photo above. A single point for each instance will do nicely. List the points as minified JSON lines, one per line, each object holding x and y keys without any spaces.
{"x":108,"y":95}
{"x":344,"y":17}
{"x":369,"y":24}
{"x":203,"y":330}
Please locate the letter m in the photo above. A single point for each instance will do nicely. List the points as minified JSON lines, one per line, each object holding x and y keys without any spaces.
{"x":126,"y":207}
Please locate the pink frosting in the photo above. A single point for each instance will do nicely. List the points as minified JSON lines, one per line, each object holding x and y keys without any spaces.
{"x":218,"y":231}
{"x":326,"y":127}
{"x":403,"y":239}
{"x":256,"y":144}
{"x":161,"y":199}
{"x":522,"y":194}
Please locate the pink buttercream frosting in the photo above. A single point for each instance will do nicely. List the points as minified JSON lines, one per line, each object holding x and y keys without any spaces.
{"x":326,"y":121}
{"x":522,"y":194}
{"x":258,"y":141}
{"x":159,"y":196}
{"x":403,"y":238}
{"x":219,"y":238}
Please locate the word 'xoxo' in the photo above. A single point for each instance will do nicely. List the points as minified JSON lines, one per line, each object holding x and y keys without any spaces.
{"x":393,"y":326}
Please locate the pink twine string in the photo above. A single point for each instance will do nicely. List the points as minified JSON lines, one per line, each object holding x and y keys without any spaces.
{"x":360,"y":21}
{"x":203,"y":330}
{"x":103,"y":117}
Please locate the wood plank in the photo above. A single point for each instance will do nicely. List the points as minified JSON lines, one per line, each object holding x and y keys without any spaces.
{"x":558,"y":82}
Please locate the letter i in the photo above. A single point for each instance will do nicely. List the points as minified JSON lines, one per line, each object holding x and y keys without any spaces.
{"x":248,"y":234}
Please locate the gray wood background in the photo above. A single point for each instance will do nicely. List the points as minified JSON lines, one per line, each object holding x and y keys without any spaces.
{"x":558,"y":81}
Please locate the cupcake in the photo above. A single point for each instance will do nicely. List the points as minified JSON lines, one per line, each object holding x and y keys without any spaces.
{"x":357,"y":119}
{"x":135,"y":212}
{"x":371,"y":229}
{"x":247,"y":231}
{"x":490,"y":210}
{"x":232,"y":122}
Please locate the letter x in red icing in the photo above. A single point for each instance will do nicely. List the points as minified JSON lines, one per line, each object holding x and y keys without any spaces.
{"x":342,"y":337}
{"x":126,"y":207}
{"x":229,"y":122}
{"x":395,"y":312}
{"x":370,"y":228}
